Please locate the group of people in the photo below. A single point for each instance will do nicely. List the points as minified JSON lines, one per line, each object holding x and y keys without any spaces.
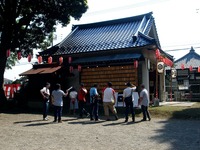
{"x":78,"y":100}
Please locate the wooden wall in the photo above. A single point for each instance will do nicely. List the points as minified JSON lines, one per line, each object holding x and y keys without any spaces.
{"x":118,"y":75}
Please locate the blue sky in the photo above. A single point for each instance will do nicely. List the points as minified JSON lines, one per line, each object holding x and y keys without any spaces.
{"x":177,"y":22}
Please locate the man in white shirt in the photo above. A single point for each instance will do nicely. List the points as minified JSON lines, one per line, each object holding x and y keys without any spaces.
{"x":144,"y":101}
{"x":57,"y":101}
{"x":109,"y":101}
{"x":128,"y":99}
{"x":45,"y":94}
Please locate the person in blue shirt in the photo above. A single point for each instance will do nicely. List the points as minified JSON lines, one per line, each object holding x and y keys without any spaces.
{"x":94,"y":105}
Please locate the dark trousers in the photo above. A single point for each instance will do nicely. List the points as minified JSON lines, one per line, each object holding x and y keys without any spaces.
{"x":129,"y":105}
{"x":94,"y":108}
{"x":81,"y":105}
{"x":57,"y":113}
{"x":145,"y":112}
{"x":45,"y":108}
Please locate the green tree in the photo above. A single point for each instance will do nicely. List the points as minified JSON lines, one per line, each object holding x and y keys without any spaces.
{"x":24,"y":24}
{"x":11,"y":60}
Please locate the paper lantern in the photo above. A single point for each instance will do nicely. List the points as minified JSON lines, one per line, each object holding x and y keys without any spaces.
{"x":182,"y":66}
{"x":71,"y":69}
{"x":157,"y":53}
{"x":190,"y":68}
{"x":69,"y":60}
{"x":49,"y":60}
{"x":160,"y":67}
{"x":60,"y":60}
{"x":29,"y":58}
{"x":173,"y":72}
{"x":19,"y":55}
{"x":79,"y":68}
{"x":8,"y":53}
{"x":39,"y":59}
{"x":199,"y":69}
{"x":135,"y":64}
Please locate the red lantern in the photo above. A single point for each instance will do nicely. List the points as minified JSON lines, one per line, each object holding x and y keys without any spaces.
{"x":182,"y":66}
{"x":157,"y":53}
{"x":69,"y":60}
{"x":8,"y":53}
{"x":19,"y":55}
{"x":61,"y":60}
{"x":79,"y":68}
{"x":71,"y":69}
{"x":199,"y":69}
{"x":39,"y":59}
{"x":190,"y":68}
{"x":49,"y":60}
{"x":29,"y":58}
{"x":135,"y":64}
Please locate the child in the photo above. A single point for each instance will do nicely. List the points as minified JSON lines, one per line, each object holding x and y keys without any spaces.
{"x":73,"y":100}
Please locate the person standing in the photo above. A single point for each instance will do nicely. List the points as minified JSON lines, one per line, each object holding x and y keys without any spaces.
{"x":82,"y":101}
{"x":144,"y":102}
{"x":128,"y":99}
{"x":73,"y":100}
{"x":109,"y":101}
{"x":57,"y":101}
{"x":45,"y":95}
{"x":94,"y":105}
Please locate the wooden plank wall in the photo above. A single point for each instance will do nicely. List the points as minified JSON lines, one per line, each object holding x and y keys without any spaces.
{"x":118,"y":75}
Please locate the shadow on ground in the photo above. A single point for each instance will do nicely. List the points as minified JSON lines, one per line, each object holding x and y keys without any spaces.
{"x":181,"y":133}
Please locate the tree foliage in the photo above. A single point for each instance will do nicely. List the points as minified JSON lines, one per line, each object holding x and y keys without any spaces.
{"x":24,"y":24}
{"x":11,"y":60}
{"x":30,"y":21}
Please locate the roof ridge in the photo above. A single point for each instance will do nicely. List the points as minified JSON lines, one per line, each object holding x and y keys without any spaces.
{"x":191,"y":52}
{"x":115,"y":21}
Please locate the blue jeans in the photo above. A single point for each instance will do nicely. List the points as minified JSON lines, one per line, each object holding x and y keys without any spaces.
{"x":94,"y":108}
{"x":45,"y":109}
{"x":57,"y":113}
{"x":145,"y":112}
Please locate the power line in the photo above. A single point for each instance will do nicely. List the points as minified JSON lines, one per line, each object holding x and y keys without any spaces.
{"x":178,"y":49}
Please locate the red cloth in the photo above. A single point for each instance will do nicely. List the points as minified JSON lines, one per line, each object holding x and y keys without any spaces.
{"x":81,"y":94}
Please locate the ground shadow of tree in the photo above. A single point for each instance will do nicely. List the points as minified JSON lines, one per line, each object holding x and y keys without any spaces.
{"x":182,"y":131}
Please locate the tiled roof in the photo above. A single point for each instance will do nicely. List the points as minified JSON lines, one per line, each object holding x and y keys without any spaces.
{"x":108,"y":35}
{"x":192,"y":58}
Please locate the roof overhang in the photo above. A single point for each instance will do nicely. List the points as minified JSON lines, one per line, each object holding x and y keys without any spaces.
{"x":108,"y":58}
{"x":46,"y":70}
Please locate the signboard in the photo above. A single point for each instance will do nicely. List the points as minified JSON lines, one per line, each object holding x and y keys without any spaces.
{"x":119,"y":102}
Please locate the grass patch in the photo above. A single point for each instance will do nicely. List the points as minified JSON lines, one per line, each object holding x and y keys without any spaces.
{"x":176,"y":112}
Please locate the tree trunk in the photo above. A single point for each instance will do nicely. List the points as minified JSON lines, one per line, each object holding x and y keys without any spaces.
{"x":3,"y":60}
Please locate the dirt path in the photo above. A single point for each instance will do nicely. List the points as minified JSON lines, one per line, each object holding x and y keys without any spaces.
{"x":29,"y":132}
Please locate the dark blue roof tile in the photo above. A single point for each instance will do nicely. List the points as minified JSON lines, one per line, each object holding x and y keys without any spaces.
{"x":108,"y":35}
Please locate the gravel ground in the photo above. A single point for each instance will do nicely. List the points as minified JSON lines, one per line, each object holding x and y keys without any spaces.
{"x":29,"y":132}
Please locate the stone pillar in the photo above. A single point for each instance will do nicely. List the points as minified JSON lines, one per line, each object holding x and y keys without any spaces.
{"x":145,"y":73}
{"x":161,"y":87}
